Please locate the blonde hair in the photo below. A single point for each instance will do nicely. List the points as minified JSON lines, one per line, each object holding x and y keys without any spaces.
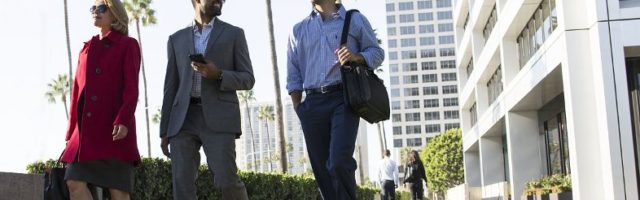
{"x":121,"y":23}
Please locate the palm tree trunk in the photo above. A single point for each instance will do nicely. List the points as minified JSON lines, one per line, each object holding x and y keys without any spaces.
{"x":269,"y":147}
{"x":146,"y":99}
{"x":276,"y":81}
{"x":66,"y":28}
{"x":253,"y":142}
{"x":66,"y":110}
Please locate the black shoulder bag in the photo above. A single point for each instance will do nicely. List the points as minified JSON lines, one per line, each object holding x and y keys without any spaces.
{"x":364,"y":92}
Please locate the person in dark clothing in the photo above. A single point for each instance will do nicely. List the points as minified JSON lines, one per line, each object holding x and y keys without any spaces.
{"x":413,"y":175}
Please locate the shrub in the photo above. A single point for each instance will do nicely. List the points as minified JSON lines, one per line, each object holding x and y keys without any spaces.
{"x":548,"y":184}
{"x":153,"y":181}
{"x":442,"y":158}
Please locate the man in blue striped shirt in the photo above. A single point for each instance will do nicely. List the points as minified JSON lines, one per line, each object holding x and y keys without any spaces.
{"x":314,"y":58}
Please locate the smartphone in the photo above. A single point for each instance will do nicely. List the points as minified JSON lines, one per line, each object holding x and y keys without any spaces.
{"x":197,"y":58}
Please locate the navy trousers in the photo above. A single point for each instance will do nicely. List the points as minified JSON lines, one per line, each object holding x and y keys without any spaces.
{"x":330,"y":129}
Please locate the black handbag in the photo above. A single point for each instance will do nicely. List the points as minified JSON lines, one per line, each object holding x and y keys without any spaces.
{"x":364,"y":92}
{"x":55,"y":188}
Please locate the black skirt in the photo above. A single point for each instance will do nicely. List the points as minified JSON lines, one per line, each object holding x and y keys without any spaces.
{"x":113,"y":174}
{"x":110,"y":173}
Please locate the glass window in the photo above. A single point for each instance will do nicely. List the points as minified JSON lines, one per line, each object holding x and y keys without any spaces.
{"x":451,"y":114}
{"x":425,"y":16}
{"x":412,"y":117}
{"x":448,"y":64}
{"x":390,"y":7}
{"x":391,"y":19}
{"x":393,"y":67}
{"x":432,"y":115}
{"x":424,"y":41}
{"x":447,"y":39}
{"x":414,"y":142}
{"x":407,"y":30}
{"x":429,"y":78}
{"x":397,"y":130}
{"x":431,"y":90}
{"x":411,"y":104}
{"x":407,"y":42}
{"x":394,"y":80}
{"x":427,"y":53}
{"x":432,"y":128}
{"x":447,"y":52}
{"x":397,"y":143}
{"x":449,"y":89}
{"x":393,"y":55}
{"x":451,"y":126}
{"x":424,"y":4}
{"x":410,"y":79}
{"x":431,"y":103}
{"x":444,"y":15}
{"x":443,"y":3}
{"x":412,"y":91}
{"x":391,"y":31}
{"x":445,"y":27}
{"x":470,"y":68}
{"x":405,"y":6}
{"x":494,"y":86}
{"x":448,"y":102}
{"x":407,"y":18}
{"x":409,"y":54}
{"x":410,"y":67}
{"x":426,"y":28}
{"x":395,"y":92}
{"x":491,"y":22}
{"x":473,"y":112}
{"x":431,"y":65}
{"x":392,"y":43}
{"x":395,"y":105}
{"x":396,"y":118}
{"x":416,"y":129}
{"x":449,"y":77}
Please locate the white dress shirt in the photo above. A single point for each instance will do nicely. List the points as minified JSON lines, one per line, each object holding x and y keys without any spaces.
{"x":388,"y":171}
{"x":200,"y":40}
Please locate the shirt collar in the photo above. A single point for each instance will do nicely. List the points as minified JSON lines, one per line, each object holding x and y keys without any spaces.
{"x":340,"y":13}
{"x":207,"y":25}
{"x":112,"y":36}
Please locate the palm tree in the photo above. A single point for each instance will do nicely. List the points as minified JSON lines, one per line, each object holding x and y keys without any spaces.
{"x":156,"y":117}
{"x":276,"y":82}
{"x":246,"y":96}
{"x":139,"y":10}
{"x":59,"y":88}
{"x":66,"y":28}
{"x":266,"y":113}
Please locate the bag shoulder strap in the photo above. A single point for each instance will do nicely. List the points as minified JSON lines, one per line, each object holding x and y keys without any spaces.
{"x":345,"y":28}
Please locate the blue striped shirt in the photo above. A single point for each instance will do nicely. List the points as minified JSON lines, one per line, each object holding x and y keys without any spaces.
{"x":311,"y":61}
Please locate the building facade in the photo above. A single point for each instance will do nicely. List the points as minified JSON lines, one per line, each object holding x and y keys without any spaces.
{"x":422,"y":69}
{"x":549,"y":87}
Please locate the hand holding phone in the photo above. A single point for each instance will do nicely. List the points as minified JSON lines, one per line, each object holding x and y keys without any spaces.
{"x":197,"y":58}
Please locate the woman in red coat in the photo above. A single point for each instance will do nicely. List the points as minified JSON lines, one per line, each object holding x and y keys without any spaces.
{"x":101,"y":140}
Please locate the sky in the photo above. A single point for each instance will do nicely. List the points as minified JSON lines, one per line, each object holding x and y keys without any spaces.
{"x":33,"y":52}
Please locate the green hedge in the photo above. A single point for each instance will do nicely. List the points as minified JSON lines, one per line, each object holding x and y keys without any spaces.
{"x":153,"y":181}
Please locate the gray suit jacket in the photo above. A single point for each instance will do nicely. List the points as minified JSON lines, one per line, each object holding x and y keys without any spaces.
{"x":227,"y":49}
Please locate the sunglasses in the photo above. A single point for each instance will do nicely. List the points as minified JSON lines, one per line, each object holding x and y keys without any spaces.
{"x":99,"y":8}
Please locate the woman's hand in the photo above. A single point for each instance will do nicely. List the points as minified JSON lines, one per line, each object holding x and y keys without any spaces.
{"x":119,"y":132}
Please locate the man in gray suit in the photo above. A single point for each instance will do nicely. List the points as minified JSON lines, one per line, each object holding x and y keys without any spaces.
{"x":200,"y":106}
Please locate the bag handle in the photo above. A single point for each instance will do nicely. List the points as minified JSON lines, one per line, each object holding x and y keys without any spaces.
{"x":345,"y":28}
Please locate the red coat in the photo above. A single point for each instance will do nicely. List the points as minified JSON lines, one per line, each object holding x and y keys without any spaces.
{"x":108,"y":75}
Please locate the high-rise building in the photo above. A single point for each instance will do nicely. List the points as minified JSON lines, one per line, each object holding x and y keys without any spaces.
{"x":549,"y":87}
{"x":422,"y":68}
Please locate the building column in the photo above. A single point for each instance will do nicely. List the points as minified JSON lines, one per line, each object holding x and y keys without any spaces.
{"x":472,"y":173}
{"x":491,"y":160}
{"x":525,"y":161}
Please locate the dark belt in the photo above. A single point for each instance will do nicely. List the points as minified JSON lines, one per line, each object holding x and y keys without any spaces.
{"x":195,"y":100}
{"x":324,"y":89}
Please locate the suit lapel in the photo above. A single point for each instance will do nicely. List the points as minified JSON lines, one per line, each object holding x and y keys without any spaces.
{"x":218,"y":28}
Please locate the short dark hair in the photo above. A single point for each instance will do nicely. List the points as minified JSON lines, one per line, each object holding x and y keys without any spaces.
{"x":387,"y":152}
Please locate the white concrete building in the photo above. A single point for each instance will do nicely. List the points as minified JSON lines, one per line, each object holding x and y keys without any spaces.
{"x":423,"y":79}
{"x":549,"y":87}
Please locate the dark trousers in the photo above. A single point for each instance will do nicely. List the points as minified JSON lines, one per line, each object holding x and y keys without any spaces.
{"x":388,"y":190}
{"x":416,"y":190}
{"x":330,"y":129}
